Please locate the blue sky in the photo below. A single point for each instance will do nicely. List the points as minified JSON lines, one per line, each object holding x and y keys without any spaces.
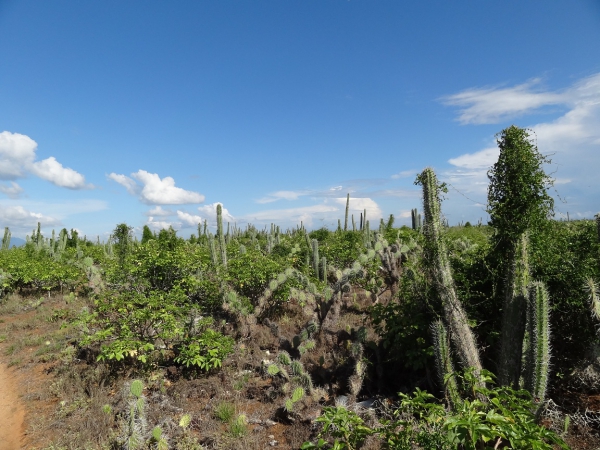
{"x":150,"y":112}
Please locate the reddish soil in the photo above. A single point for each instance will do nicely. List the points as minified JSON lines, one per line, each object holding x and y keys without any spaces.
{"x":12,"y":411}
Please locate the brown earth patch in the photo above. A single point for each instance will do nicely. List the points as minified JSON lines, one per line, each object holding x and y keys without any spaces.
{"x":12,"y":411}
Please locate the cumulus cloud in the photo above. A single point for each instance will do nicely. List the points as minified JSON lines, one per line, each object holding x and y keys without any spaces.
{"x":210,"y":212}
{"x":188,"y":220}
{"x":17,"y":217}
{"x":17,"y":152}
{"x":358,"y":205}
{"x":13,"y":191}
{"x":153,"y":190}
{"x":126,"y":182}
{"x":17,"y":159}
{"x":51,"y":170}
{"x":158,"y":225}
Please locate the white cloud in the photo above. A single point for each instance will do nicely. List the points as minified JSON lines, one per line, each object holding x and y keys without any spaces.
{"x":153,"y":190}
{"x":13,"y":191}
{"x":305,"y":214}
{"x":483,"y":159}
{"x":405,"y":174}
{"x":125,"y":181}
{"x":17,"y":217}
{"x":358,"y":205}
{"x":158,"y":225}
{"x":160,"y":212}
{"x":17,"y":158}
{"x":282,"y":195}
{"x":17,"y":152}
{"x":210,"y":212}
{"x":490,"y":105}
{"x":51,"y":170}
{"x":322,"y":214}
{"x":189,"y":220}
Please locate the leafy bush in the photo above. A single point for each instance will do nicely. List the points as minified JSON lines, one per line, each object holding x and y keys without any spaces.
{"x":206,"y":351}
{"x":489,"y":418}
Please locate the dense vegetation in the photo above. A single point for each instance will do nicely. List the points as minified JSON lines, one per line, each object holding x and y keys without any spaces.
{"x":424,"y":298}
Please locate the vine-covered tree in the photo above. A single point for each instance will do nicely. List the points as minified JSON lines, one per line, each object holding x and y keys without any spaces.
{"x":518,"y":201}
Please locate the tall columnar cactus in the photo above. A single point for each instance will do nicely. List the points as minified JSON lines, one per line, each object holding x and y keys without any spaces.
{"x":439,"y":267}
{"x":353,"y":223}
{"x":220,"y":235}
{"x":315,"y":255}
{"x":416,"y":219}
{"x":516,"y":295}
{"x":443,"y":362}
{"x":597,"y":216}
{"x":346,"y":215}
{"x":540,"y":340}
{"x":323,"y":269}
{"x":6,"y":239}
{"x":219,"y":220}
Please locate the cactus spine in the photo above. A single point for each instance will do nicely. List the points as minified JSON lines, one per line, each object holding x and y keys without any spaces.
{"x":460,"y":332}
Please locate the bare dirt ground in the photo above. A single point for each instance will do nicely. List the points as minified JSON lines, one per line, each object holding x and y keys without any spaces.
{"x":12,"y":411}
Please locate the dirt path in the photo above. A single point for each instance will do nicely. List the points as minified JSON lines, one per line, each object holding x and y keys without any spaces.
{"x":12,"y":412}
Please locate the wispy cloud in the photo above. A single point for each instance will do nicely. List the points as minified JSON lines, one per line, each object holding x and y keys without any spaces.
{"x":160,"y":212}
{"x":405,"y":174}
{"x":153,"y":190}
{"x":13,"y":191}
{"x":17,"y":159}
{"x":282,"y":195}
{"x":325,"y":213}
{"x":491,"y":105}
{"x":305,"y":214}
